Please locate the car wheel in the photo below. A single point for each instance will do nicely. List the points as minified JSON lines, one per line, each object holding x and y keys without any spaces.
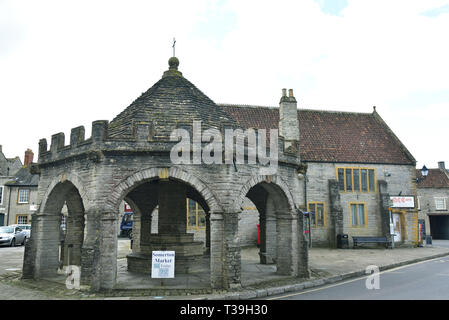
{"x":13,"y":242}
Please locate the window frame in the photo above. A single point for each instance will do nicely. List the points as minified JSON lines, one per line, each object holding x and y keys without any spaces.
{"x":359,"y":169}
{"x":196,"y":227}
{"x":444,"y":203}
{"x":28,"y":196}
{"x":323,"y":203}
{"x":22,"y":215}
{"x":365,"y":215}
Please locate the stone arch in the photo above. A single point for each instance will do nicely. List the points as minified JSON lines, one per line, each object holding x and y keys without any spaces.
{"x":277,"y":220}
{"x":274,"y":180}
{"x":72,"y":178}
{"x":128,"y":184}
{"x":47,"y":235}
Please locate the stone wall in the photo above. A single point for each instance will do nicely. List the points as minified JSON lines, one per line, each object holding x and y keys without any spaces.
{"x":426,"y":198}
{"x":398,"y":178}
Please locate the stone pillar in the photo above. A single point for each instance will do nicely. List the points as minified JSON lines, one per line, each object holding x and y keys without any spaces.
{"x":108,"y":252}
{"x":145,"y":229}
{"x":47,"y":240}
{"x":268,"y":233}
{"x":302,"y":248}
{"x":267,"y":239}
{"x":172,"y":208}
{"x":207,"y":244}
{"x":284,"y":256}
{"x":29,"y":259}
{"x":232,"y":251}
{"x":384,"y":205}
{"x":217,"y":262}
{"x":91,"y":247}
{"x":74,"y":239}
{"x":335,"y":214}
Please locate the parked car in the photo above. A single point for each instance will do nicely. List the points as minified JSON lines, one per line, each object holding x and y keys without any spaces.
{"x":25,"y":227}
{"x":11,"y":235}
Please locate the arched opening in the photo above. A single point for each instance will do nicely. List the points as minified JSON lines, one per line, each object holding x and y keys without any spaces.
{"x":61,"y":230}
{"x":168,"y":215}
{"x":272,"y":258}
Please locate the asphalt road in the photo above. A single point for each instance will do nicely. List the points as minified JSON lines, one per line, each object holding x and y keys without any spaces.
{"x":419,"y":281}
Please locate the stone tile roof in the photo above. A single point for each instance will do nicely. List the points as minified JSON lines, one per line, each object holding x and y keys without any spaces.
{"x":435,"y":179}
{"x":171,"y":100}
{"x":24,"y":178}
{"x":327,"y":136}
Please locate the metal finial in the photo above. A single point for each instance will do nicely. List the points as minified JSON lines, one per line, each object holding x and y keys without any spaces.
{"x":173,"y":46}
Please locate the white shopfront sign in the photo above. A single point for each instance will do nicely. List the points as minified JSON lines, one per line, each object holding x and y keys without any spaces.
{"x":402,"y":202}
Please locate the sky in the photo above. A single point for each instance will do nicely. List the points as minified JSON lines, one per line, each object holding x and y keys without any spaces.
{"x":68,"y":63}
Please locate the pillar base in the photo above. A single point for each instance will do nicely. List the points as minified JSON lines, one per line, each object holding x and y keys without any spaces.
{"x":188,"y":253}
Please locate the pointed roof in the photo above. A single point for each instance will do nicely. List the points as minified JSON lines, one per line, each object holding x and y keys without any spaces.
{"x":170,"y":101}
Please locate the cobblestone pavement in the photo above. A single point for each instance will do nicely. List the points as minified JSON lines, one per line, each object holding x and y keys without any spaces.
{"x":324,"y":264}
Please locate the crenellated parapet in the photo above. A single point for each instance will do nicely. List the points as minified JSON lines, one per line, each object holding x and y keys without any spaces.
{"x":143,"y":139}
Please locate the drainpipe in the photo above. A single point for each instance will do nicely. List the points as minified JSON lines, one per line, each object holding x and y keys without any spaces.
{"x":9,"y":205}
{"x":305,"y":200}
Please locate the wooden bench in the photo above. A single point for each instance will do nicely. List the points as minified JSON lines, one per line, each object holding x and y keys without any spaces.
{"x":368,"y":239}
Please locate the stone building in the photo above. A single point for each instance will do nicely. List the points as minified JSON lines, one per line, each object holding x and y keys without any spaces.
{"x":354,"y":164}
{"x":433,"y":197}
{"x":131,"y":159}
{"x":17,"y":189}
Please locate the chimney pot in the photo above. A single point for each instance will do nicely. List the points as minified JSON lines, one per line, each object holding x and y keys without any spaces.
{"x":290,"y":92}
{"x":284,"y":92}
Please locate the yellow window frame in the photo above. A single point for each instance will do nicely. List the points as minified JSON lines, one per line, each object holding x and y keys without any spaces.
{"x":324,"y":213}
{"x":360,"y":179}
{"x":197,"y":226}
{"x":365,"y":215}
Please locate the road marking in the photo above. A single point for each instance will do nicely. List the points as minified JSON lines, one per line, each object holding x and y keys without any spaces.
{"x":349,"y":281}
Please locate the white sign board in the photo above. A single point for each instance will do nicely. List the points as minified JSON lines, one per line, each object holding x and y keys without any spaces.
{"x":33,"y":207}
{"x":163,"y":264}
{"x":402,"y":202}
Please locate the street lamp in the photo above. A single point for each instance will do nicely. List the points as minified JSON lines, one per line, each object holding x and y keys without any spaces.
{"x":424,"y":173}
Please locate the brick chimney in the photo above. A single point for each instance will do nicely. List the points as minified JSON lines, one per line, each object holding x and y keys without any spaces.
{"x":441,"y":165}
{"x":28,"y":157}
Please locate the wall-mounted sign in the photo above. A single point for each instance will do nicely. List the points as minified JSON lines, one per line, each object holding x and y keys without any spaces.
{"x":163,"y":264}
{"x":402,"y":202}
{"x":33,"y":207}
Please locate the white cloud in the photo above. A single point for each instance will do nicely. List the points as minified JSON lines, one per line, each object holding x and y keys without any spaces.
{"x":77,"y":62}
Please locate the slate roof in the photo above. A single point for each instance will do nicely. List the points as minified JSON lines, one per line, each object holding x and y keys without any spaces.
{"x":170,"y":100}
{"x":336,"y":137}
{"x":436,"y":178}
{"x":23,"y":178}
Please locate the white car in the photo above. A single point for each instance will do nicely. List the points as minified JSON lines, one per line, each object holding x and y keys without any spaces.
{"x":25,"y":227}
{"x":11,"y":236}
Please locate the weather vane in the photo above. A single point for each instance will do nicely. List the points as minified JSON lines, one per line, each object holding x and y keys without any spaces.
{"x":173,"y":46}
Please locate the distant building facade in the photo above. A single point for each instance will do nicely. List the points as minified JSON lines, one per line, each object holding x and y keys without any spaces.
{"x":433,"y":198}
{"x":19,"y":194}
{"x":8,"y":168}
